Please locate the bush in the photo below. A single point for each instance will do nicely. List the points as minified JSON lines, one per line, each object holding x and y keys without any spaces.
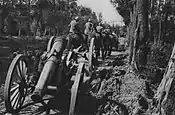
{"x":158,"y":58}
{"x":159,"y":55}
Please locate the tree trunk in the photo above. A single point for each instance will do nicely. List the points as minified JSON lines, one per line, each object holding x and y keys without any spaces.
{"x":2,"y":18}
{"x":139,"y":21}
{"x":143,"y":32}
{"x":130,"y":43}
{"x":151,"y":20}
{"x":132,"y":29}
{"x":165,"y":86}
{"x":1,"y":23}
{"x":160,"y":33}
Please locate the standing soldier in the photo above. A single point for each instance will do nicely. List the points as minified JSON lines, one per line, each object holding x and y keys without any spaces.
{"x":88,"y":29}
{"x":74,"y":26}
{"x":99,"y":39}
{"x":75,"y":38}
{"x":99,"y":28}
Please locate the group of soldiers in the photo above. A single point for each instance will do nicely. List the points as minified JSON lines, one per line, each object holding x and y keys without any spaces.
{"x":76,"y":37}
{"x":89,"y":27}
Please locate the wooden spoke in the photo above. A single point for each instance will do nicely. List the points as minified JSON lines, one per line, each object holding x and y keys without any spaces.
{"x":15,"y":102}
{"x":14,"y":88}
{"x":19,"y":72}
{"x":15,"y":93}
{"x":20,"y":77}
{"x":15,"y":99}
{"x":22,"y":70}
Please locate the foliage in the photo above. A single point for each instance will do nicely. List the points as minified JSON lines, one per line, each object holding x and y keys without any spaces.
{"x":160,"y":16}
{"x":160,"y":55}
{"x":47,"y":13}
{"x":123,"y":7}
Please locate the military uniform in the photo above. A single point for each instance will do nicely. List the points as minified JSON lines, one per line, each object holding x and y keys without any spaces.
{"x":99,"y":29}
{"x":88,"y":31}
{"x":88,"y":28}
{"x":74,"y":27}
{"x":74,"y":38}
{"x":99,"y":40}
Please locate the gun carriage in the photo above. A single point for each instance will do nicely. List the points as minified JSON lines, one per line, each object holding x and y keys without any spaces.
{"x":75,"y":65}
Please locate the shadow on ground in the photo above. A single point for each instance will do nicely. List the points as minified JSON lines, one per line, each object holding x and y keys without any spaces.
{"x":85,"y":105}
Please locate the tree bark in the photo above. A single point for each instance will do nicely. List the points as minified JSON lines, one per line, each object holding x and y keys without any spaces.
{"x":132,"y":26}
{"x":151,"y":20}
{"x":139,"y":21}
{"x":3,"y":14}
{"x":130,"y":39}
{"x":1,"y":20}
{"x":143,"y":32}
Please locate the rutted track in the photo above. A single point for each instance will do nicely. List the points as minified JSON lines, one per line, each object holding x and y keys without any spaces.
{"x":117,"y":95}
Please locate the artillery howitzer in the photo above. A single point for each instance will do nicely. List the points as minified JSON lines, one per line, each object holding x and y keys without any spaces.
{"x":75,"y":66}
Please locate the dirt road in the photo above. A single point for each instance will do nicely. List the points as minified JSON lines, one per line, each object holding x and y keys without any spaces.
{"x":116,"y":95}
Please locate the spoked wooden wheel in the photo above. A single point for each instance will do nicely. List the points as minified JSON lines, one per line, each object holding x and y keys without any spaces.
{"x":74,"y":89}
{"x":91,"y":52}
{"x":50,"y":43}
{"x":16,"y":88}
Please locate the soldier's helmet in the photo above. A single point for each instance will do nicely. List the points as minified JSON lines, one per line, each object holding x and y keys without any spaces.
{"x":100,"y":24}
{"x":89,"y":20}
{"x":113,"y":33}
{"x":77,"y":18}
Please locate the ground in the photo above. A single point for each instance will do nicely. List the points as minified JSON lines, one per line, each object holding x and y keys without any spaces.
{"x":116,"y":90}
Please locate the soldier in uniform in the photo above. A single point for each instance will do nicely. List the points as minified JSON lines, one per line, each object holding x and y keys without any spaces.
{"x":88,"y":30}
{"x":99,"y":28}
{"x":99,"y":39}
{"x":107,"y":41}
{"x":75,"y":39}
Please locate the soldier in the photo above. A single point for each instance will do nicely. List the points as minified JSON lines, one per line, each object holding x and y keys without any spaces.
{"x":88,"y":29}
{"x":53,"y":58}
{"x":115,"y":40}
{"x":107,"y":30}
{"x":107,"y":42}
{"x":99,"y":28}
{"x":74,"y":38}
{"x":74,"y":25}
{"x":99,"y":39}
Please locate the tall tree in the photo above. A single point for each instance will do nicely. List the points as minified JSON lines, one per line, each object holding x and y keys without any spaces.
{"x":135,"y":15}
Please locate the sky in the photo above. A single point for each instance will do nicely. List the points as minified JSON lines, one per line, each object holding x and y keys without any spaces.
{"x":105,"y":7}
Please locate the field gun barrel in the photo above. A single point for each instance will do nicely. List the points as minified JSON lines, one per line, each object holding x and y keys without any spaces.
{"x":47,"y":71}
{"x":53,"y":60}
